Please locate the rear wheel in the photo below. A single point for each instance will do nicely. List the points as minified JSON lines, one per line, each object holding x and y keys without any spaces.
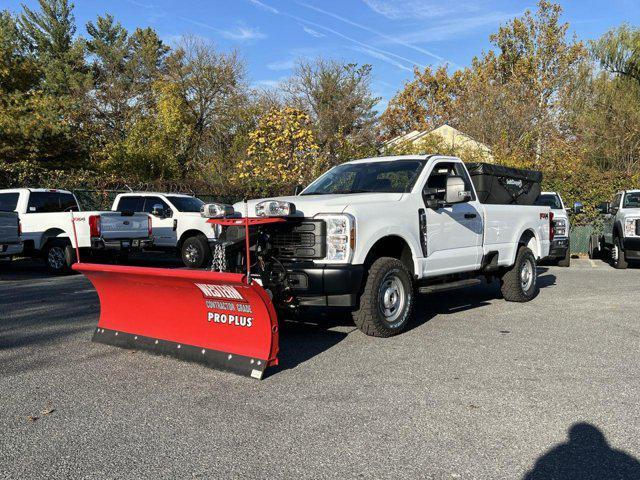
{"x":386,"y":303}
{"x":520,"y":283}
{"x":617,"y":255}
{"x":196,"y":252}
{"x":59,"y":256}
{"x":594,"y":247}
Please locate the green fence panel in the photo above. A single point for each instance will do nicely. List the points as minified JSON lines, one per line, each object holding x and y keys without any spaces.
{"x":580,"y":238}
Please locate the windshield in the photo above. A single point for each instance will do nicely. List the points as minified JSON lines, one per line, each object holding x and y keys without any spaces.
{"x":186,"y":204}
{"x":394,"y":176}
{"x":632,"y":200}
{"x":549,"y":200}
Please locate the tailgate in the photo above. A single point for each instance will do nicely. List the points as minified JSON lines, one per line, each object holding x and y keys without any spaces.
{"x":9,"y":231}
{"x":115,"y":226}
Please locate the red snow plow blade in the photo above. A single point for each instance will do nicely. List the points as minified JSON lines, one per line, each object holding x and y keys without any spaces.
{"x":208,"y":317}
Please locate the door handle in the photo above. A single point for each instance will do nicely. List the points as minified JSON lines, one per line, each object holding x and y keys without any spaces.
{"x":470,"y":215}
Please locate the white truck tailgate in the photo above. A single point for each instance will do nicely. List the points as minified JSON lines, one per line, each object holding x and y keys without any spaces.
{"x":9,"y":232}
{"x":115,"y":226}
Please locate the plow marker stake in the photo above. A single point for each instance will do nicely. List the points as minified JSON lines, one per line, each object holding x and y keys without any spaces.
{"x":208,"y":317}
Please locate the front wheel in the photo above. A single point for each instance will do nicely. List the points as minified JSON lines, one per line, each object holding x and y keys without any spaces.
{"x":520,"y":283}
{"x":386,"y":303}
{"x":59,"y":256}
{"x":618,"y":256}
{"x":196,"y":252}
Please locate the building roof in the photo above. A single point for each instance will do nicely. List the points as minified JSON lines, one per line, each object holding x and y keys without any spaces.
{"x":452,"y":136}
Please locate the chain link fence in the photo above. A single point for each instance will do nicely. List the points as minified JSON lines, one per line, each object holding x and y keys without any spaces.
{"x":579,"y":238}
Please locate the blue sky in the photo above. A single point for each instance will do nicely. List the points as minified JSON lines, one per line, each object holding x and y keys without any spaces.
{"x":391,"y":35}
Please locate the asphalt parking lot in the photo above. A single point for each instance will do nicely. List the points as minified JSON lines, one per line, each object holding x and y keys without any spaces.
{"x":479,"y":388}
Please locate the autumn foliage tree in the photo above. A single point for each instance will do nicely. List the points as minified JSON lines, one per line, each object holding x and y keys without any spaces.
{"x":282,"y":152}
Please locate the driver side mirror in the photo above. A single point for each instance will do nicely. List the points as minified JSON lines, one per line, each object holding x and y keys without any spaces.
{"x":158,"y":211}
{"x":604,"y":208}
{"x":455,"y":191}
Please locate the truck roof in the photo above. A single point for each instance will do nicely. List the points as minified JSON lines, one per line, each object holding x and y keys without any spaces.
{"x":392,"y":158}
{"x":35,"y":190}
{"x":127,"y":194}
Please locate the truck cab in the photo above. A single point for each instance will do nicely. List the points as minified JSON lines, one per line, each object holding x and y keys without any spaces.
{"x":621,"y":230}
{"x":176,"y":223}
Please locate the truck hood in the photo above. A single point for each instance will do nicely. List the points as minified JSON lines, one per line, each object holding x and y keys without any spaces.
{"x":310,"y":205}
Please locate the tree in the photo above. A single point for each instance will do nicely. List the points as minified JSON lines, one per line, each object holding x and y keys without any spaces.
{"x":43,"y":82}
{"x":618,"y":51}
{"x":282,"y":152}
{"x":210,"y":85}
{"x":339,"y":101}
{"x":534,"y":63}
{"x":424,"y":103}
{"x":124,"y":98}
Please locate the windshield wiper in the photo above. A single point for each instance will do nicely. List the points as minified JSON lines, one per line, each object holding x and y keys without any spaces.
{"x":339,"y":192}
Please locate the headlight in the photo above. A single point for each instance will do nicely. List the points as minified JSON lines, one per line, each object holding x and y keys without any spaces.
{"x":630,"y":229}
{"x":561,"y":227}
{"x":215,"y":210}
{"x":275,"y":208}
{"x":341,"y":237}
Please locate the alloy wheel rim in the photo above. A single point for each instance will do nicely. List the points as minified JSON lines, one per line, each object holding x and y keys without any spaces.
{"x":56,"y":257}
{"x":191,"y":253}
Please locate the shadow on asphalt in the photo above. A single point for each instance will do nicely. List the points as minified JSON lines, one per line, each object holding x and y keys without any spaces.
{"x":586,"y":456}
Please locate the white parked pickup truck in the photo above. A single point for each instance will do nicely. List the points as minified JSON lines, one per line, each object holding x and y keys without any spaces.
{"x":177,"y":224}
{"x":48,"y":217}
{"x":621,"y":233}
{"x":10,"y":242}
{"x":368,"y":233}
{"x":560,"y":250}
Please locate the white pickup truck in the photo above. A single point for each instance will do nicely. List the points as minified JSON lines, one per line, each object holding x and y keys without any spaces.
{"x":621,"y":232}
{"x":560,"y":250}
{"x":368,"y":233}
{"x":10,"y":242}
{"x":48,"y":217}
{"x":177,"y":224}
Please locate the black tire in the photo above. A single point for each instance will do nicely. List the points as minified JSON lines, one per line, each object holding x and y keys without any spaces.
{"x":388,"y":288}
{"x":514,"y":285}
{"x":566,"y":260}
{"x":621,"y":261}
{"x":594,"y":247}
{"x":59,"y":255}
{"x":196,"y":252}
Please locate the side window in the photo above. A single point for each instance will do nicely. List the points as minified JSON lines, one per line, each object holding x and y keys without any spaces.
{"x":149,"y":202}
{"x":437,"y":181}
{"x":68,"y":203}
{"x":130,"y":204}
{"x":49,"y":202}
